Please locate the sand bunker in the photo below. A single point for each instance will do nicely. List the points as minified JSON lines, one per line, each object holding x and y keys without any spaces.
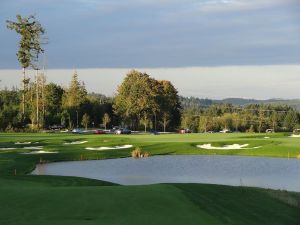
{"x":33,"y":147}
{"x":266,"y":137}
{"x":27,"y":148}
{"x":109,"y":148}
{"x":7,"y":148}
{"x":226,"y":147}
{"x":295,"y":136}
{"x":75,"y":143}
{"x":38,"y":152}
{"x":23,"y":143}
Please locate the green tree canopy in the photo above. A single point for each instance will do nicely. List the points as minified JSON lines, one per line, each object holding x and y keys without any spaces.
{"x":73,"y":98}
{"x":30,"y":31}
{"x":291,"y":120}
{"x":76,"y":94}
{"x":136,"y":97}
{"x":140,"y":97}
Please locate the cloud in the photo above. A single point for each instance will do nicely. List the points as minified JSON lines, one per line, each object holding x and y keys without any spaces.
{"x":202,"y":5}
{"x":159,"y":33}
{"x":210,"y":6}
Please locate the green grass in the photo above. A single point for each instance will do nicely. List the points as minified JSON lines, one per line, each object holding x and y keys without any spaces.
{"x":279,"y":145}
{"x":33,"y":204}
{"x":36,"y":200}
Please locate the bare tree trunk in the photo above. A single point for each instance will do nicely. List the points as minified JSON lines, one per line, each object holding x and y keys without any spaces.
{"x":23,"y":95}
{"x":43,"y":99}
{"x":37,"y":99}
{"x":155,"y":121}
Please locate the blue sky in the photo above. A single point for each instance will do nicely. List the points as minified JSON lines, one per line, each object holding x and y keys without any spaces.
{"x":159,"y":33}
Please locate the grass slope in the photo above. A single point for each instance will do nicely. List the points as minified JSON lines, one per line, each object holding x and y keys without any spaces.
{"x":33,"y":204}
{"x":36,"y":200}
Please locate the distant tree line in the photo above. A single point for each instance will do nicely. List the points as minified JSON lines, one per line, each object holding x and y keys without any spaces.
{"x":250,"y":118}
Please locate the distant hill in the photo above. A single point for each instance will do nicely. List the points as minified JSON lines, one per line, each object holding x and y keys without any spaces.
{"x":295,"y":103}
{"x":196,"y":102}
{"x":238,"y":101}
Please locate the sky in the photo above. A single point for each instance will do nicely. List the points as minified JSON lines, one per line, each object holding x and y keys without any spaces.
{"x":208,"y":41}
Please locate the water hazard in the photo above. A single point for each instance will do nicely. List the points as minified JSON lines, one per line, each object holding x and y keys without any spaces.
{"x":274,"y":173}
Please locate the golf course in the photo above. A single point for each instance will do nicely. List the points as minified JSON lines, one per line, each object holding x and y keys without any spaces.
{"x":31,"y":199}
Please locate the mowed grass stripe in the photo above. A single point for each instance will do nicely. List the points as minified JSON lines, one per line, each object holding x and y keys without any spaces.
{"x":152,"y":204}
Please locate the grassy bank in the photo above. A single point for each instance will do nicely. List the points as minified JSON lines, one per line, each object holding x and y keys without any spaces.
{"x":67,"y":200}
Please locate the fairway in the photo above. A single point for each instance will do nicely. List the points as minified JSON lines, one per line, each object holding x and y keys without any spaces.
{"x":13,"y":159}
{"x":67,"y":200}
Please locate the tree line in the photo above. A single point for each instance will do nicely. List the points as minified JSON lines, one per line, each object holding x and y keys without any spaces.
{"x":250,"y":118}
{"x":141,"y":102}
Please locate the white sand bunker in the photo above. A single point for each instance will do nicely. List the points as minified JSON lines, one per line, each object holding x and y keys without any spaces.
{"x":266,"y":137}
{"x":38,"y":152}
{"x":7,"y":148}
{"x":23,"y":143}
{"x":295,"y":136}
{"x":226,"y":147}
{"x":33,"y":147}
{"x":75,"y":143}
{"x":109,"y":148}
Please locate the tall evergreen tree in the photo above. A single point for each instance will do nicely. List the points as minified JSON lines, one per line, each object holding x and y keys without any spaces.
{"x":291,"y":120}
{"x":30,"y":31}
{"x":73,"y":98}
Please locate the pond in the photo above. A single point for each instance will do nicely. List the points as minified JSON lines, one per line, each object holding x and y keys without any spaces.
{"x":274,"y":173}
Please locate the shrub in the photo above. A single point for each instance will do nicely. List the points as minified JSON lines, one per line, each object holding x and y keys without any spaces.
{"x":137,"y":153}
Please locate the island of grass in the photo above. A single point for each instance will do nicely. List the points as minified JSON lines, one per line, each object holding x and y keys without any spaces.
{"x":33,"y":200}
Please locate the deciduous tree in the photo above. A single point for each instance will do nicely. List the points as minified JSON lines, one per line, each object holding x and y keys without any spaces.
{"x":85,"y":121}
{"x":106,"y":120}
